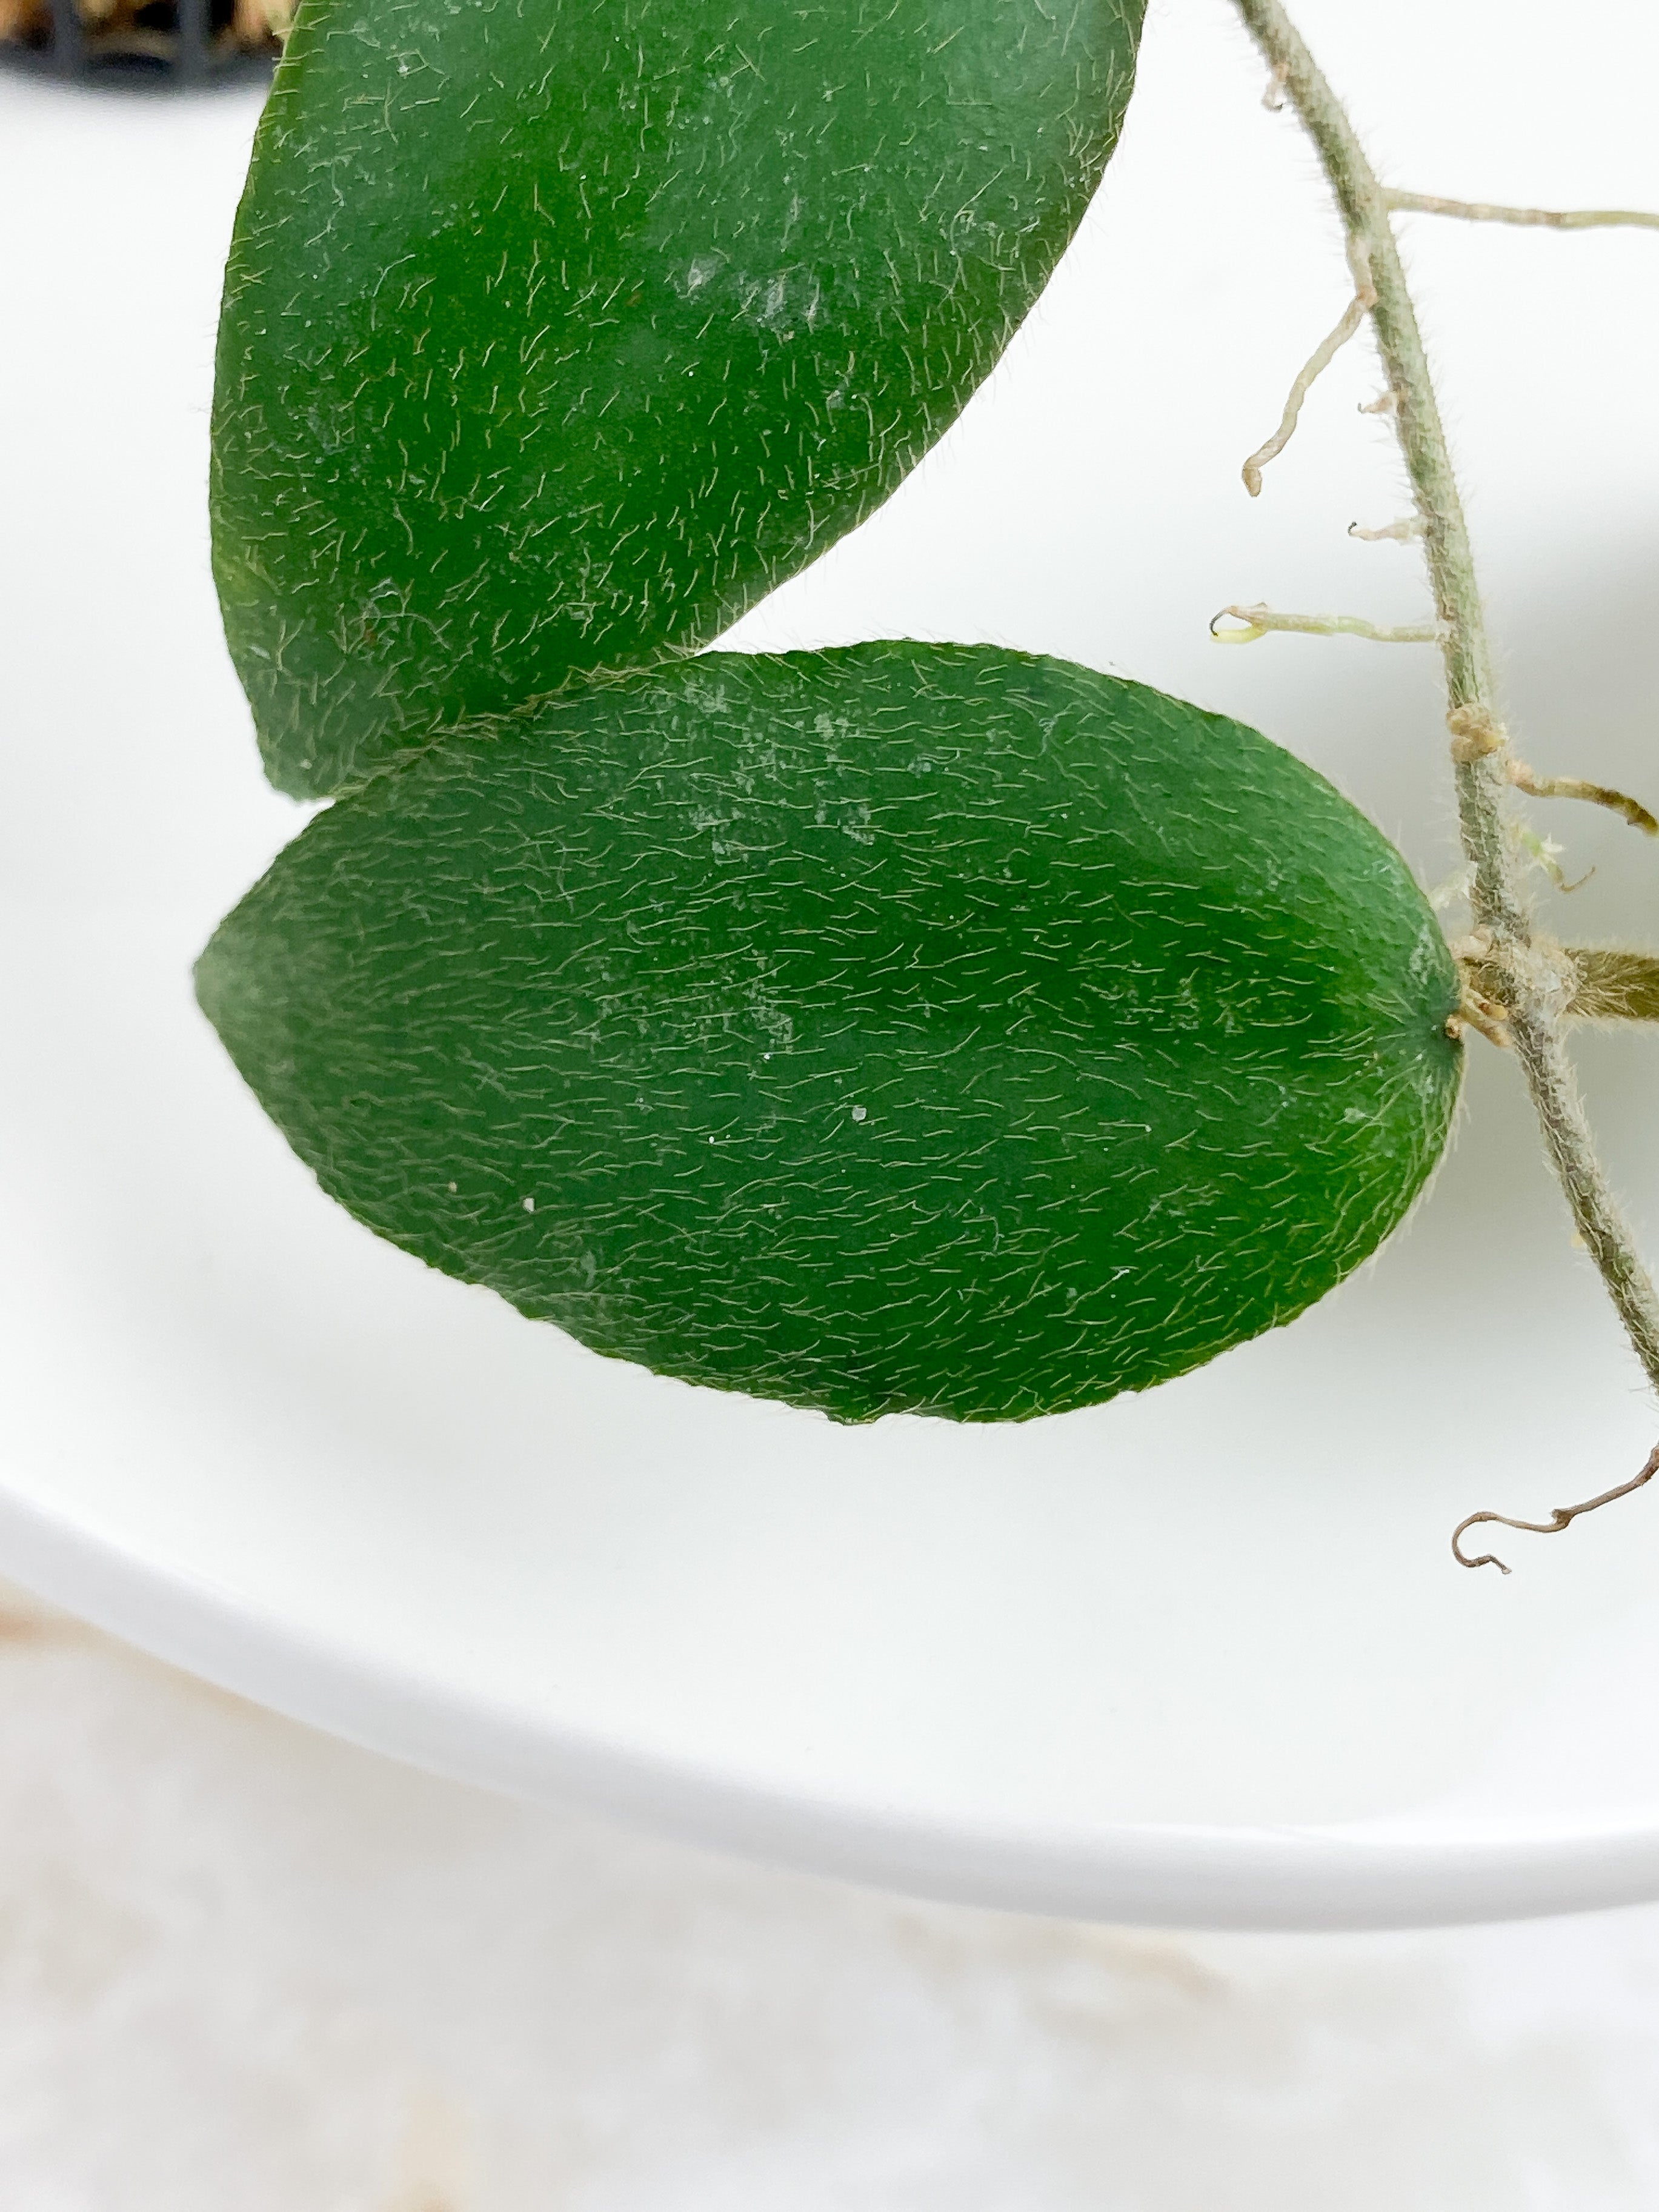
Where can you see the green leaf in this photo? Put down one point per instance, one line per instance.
(903, 1026)
(555, 336)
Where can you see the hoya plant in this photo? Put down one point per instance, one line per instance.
(895, 1028)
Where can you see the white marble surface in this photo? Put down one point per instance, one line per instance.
(244, 1968)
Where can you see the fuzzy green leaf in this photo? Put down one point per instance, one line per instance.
(902, 1026)
(555, 336)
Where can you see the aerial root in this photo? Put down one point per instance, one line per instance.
(1478, 1011)
(1475, 731)
(1364, 300)
(1400, 203)
(1613, 986)
(1605, 983)
(1597, 794)
(1562, 1517)
(1408, 527)
(1259, 620)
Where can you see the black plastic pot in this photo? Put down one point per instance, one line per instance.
(182, 42)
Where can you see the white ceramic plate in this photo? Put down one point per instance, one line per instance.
(1202, 1655)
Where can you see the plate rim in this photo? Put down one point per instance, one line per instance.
(1286, 1878)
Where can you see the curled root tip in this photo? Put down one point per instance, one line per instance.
(1562, 1518)
(1485, 1559)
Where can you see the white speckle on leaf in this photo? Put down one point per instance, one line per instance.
(530, 1206)
(703, 271)
(860, 1113)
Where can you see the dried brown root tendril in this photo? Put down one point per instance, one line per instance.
(1259, 620)
(1398, 203)
(1607, 984)
(1364, 300)
(1408, 527)
(1562, 1517)
(1614, 986)
(1597, 794)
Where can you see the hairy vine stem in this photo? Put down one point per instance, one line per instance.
(1534, 976)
